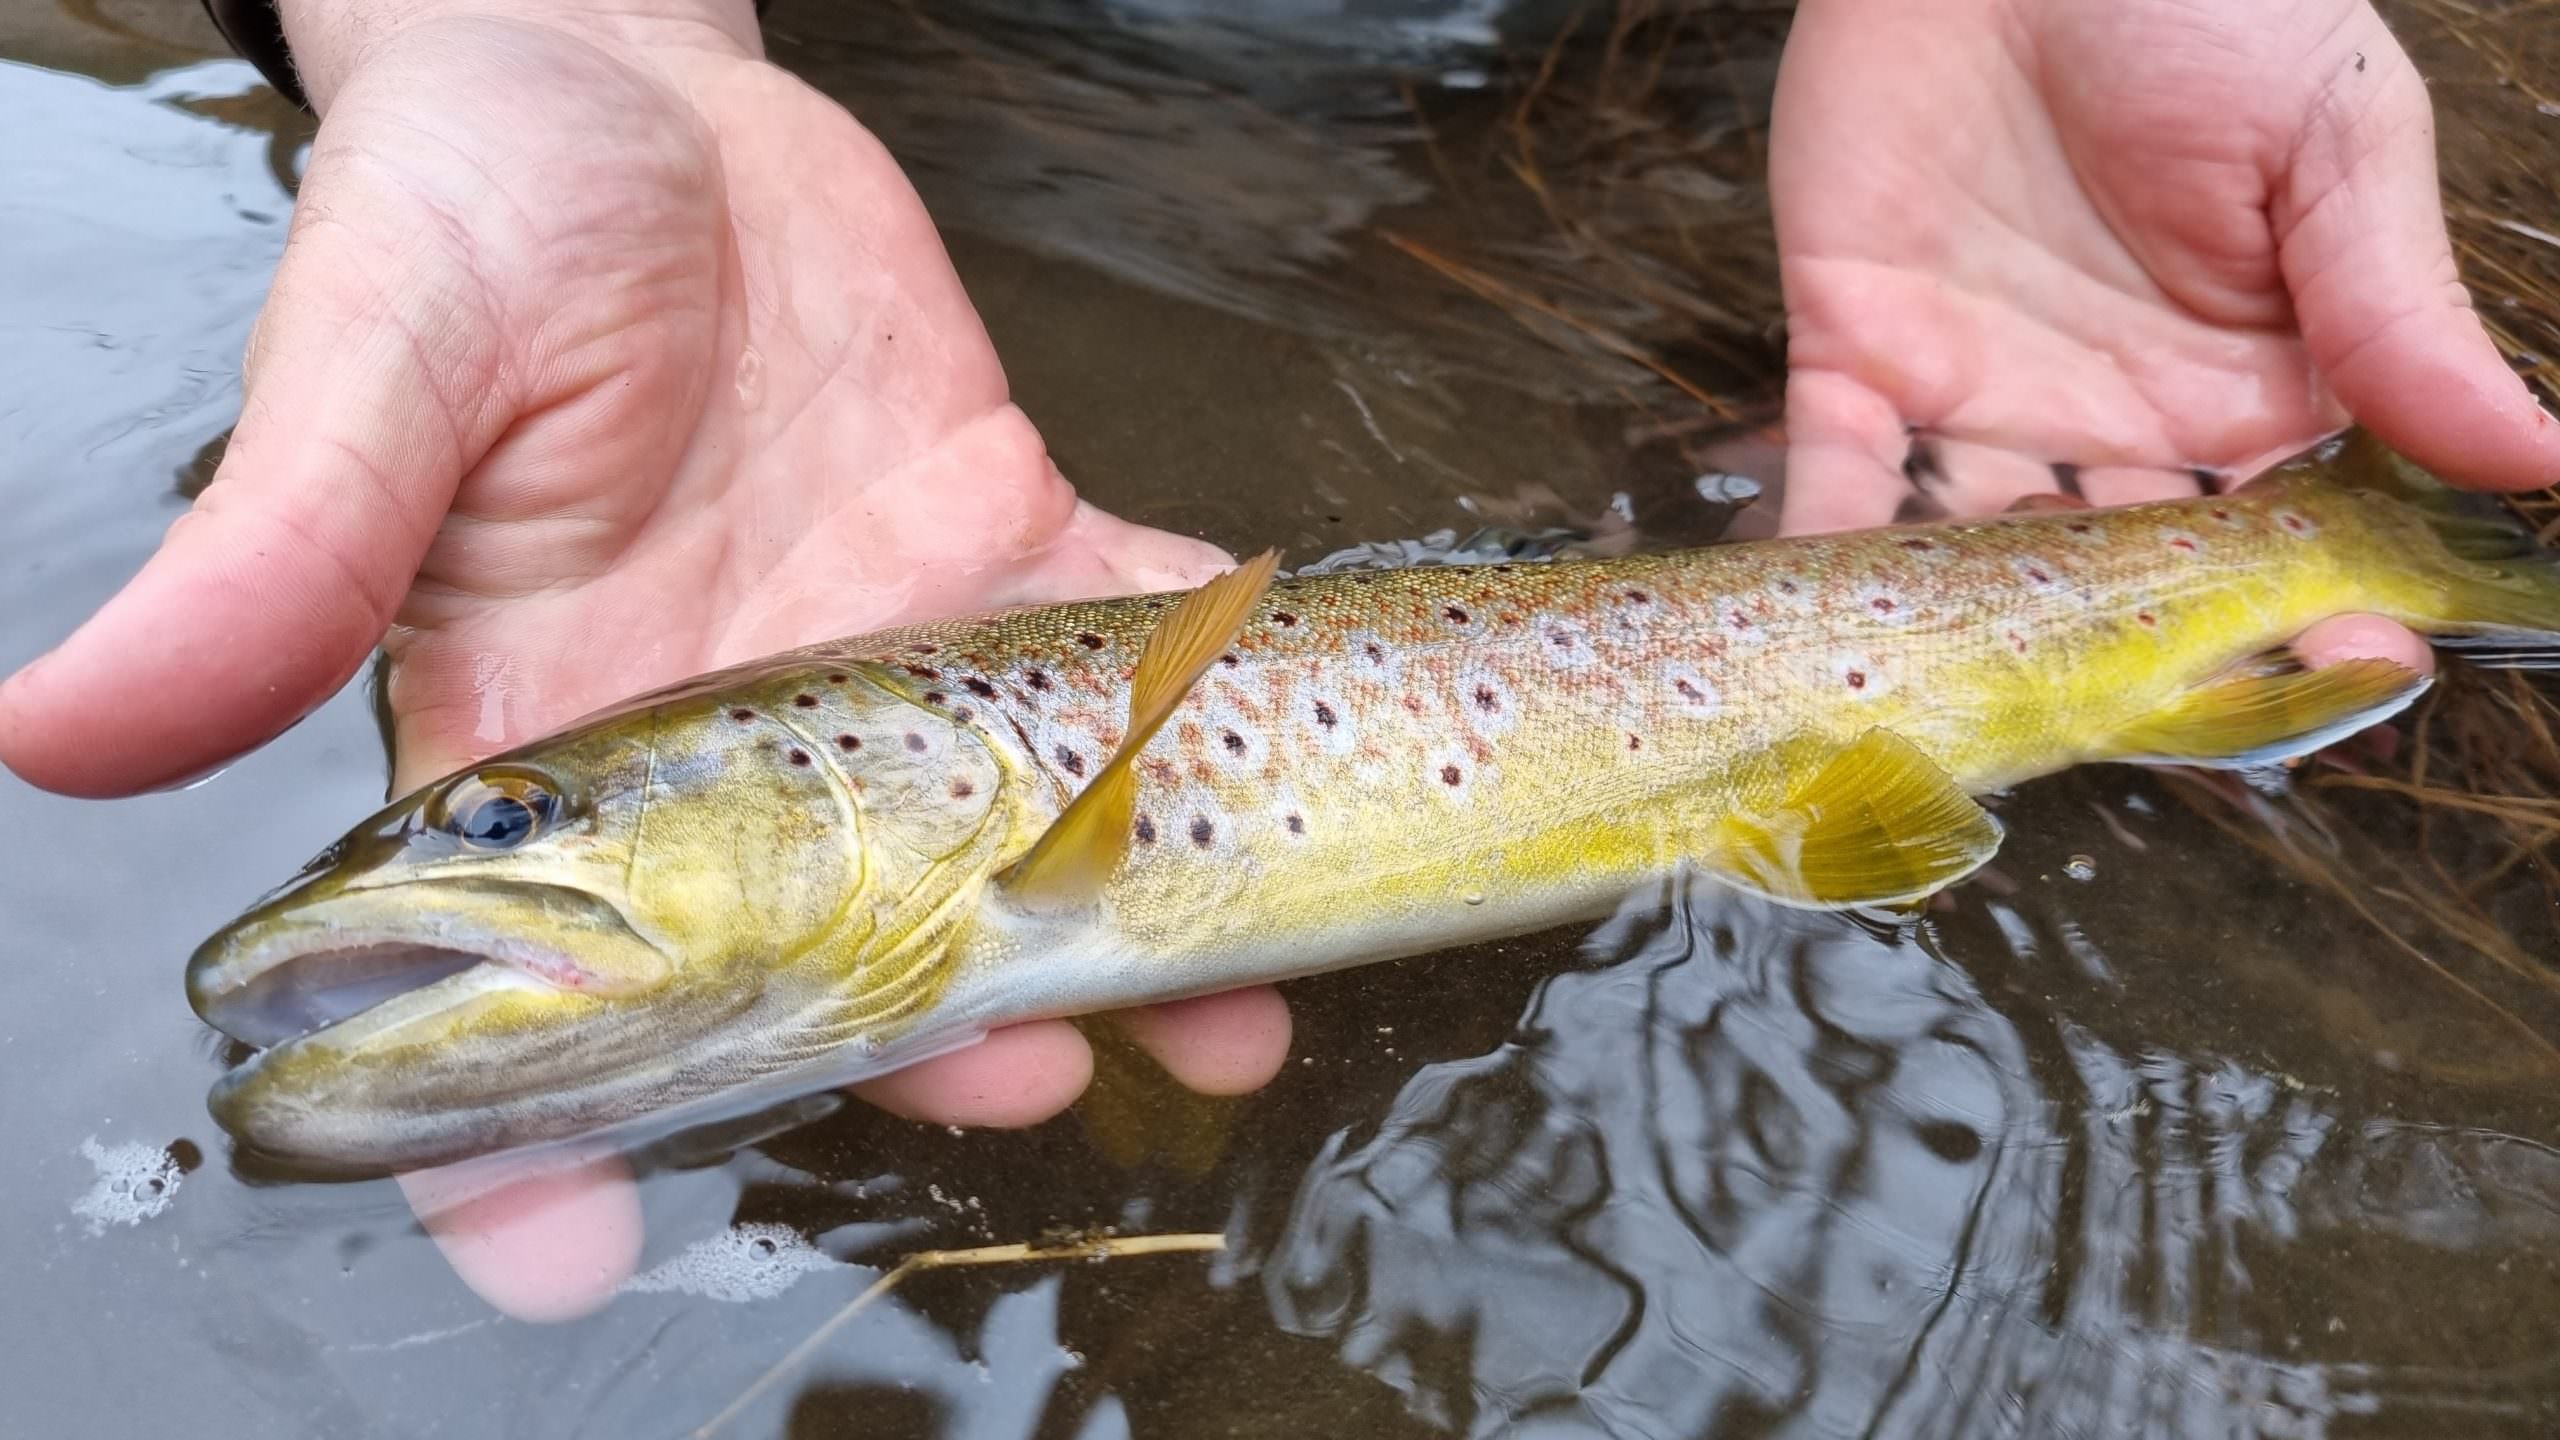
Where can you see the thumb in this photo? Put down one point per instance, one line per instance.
(265, 598)
(2364, 250)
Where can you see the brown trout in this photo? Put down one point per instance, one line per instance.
(790, 875)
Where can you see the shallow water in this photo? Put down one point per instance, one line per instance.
(2136, 1136)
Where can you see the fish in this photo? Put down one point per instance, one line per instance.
(819, 867)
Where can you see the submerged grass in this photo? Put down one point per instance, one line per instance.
(1638, 140)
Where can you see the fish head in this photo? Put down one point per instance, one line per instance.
(650, 908)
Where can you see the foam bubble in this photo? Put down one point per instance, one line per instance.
(135, 1183)
(740, 1264)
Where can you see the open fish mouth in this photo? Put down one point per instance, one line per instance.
(310, 965)
(311, 992)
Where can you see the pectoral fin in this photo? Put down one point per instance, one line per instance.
(1875, 824)
(2267, 716)
(1080, 849)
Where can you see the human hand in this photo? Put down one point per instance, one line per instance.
(603, 353)
(2138, 237)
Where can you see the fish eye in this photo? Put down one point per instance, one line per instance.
(496, 811)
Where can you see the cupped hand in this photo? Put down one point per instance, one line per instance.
(603, 353)
(2099, 245)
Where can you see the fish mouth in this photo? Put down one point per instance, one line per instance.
(308, 967)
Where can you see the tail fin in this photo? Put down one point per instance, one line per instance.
(2492, 590)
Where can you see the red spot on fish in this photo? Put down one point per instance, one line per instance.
(1638, 597)
(2149, 621)
(1450, 775)
(2017, 642)
(2183, 543)
(1325, 716)
(1882, 605)
(1377, 653)
(1413, 703)
(2081, 527)
(961, 789)
(2036, 574)
(1689, 692)
(1857, 679)
(1634, 741)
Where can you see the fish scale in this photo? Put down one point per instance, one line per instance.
(835, 862)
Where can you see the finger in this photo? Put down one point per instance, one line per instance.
(1019, 1075)
(1230, 1043)
(1845, 447)
(2382, 306)
(267, 596)
(548, 1243)
(2364, 637)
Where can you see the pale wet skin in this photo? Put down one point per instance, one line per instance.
(2137, 1136)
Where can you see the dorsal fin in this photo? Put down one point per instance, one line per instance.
(1083, 845)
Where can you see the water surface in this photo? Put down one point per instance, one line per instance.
(2138, 1135)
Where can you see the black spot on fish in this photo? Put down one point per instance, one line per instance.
(1486, 700)
(1325, 716)
(1634, 741)
(1456, 615)
(848, 743)
(837, 677)
(924, 649)
(1689, 692)
(934, 697)
(1202, 832)
(1857, 679)
(961, 789)
(979, 688)
(1146, 831)
(962, 714)
(1284, 617)
(924, 672)
(1233, 741)
(1229, 660)
(1377, 653)
(1638, 597)
(1917, 543)
(2066, 478)
(1297, 824)
(1451, 775)
(799, 756)
(915, 742)
(742, 714)
(1037, 679)
(805, 702)
(1073, 762)
(1089, 640)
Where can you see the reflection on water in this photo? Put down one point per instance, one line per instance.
(2136, 1136)
(1771, 1173)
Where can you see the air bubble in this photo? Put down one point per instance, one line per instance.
(755, 1261)
(135, 1183)
(2081, 867)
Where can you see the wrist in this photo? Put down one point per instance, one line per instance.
(330, 39)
